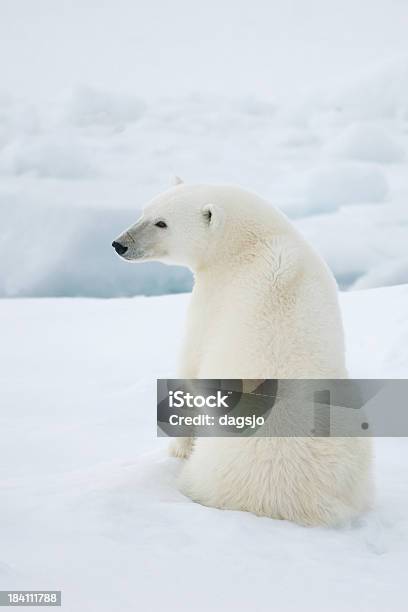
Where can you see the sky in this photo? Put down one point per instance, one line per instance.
(271, 48)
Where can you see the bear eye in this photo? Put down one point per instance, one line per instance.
(161, 224)
(208, 215)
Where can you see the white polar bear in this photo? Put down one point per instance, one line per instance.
(264, 305)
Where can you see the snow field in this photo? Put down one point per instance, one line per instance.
(89, 498)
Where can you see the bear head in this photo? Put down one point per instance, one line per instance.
(201, 225)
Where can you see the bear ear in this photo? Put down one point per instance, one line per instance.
(176, 180)
(213, 214)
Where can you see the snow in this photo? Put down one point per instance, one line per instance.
(89, 498)
(369, 143)
(384, 275)
(378, 93)
(60, 157)
(90, 106)
(357, 240)
(334, 186)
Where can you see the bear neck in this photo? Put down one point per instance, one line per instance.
(255, 249)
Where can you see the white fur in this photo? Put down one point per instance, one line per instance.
(264, 305)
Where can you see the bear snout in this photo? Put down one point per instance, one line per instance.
(119, 248)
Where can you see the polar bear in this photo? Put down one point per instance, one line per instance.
(264, 305)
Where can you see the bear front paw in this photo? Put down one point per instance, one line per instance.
(181, 448)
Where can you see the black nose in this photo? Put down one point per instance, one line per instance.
(119, 248)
